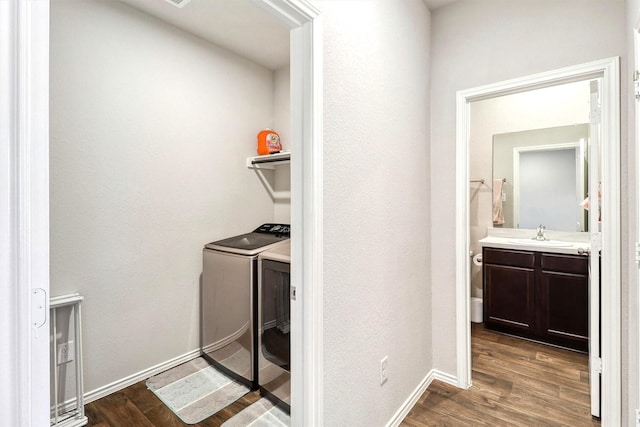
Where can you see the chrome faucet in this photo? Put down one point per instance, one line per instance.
(540, 235)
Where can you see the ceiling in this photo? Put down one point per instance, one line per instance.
(435, 4)
(239, 26)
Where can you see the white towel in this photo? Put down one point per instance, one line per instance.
(498, 217)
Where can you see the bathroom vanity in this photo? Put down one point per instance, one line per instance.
(537, 292)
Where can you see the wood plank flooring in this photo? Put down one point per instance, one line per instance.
(138, 406)
(515, 383)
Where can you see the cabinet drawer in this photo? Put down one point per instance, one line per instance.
(508, 257)
(565, 263)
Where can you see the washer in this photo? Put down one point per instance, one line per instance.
(274, 315)
(229, 285)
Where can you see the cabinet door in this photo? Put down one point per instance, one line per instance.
(509, 298)
(564, 318)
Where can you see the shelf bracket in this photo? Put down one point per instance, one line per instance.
(269, 162)
(275, 195)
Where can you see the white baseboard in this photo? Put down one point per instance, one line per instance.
(406, 407)
(72, 422)
(142, 375)
(446, 378)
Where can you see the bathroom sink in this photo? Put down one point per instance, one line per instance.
(543, 243)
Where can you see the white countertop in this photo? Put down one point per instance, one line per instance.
(280, 253)
(560, 242)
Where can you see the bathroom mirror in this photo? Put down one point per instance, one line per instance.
(540, 176)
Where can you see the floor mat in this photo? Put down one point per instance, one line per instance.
(195, 390)
(262, 413)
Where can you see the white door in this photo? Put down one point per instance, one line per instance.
(595, 361)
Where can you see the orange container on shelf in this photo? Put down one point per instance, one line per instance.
(268, 142)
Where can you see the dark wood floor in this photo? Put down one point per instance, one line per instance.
(138, 406)
(515, 383)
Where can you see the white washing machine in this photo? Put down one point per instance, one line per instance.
(228, 312)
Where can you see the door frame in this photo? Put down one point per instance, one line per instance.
(24, 211)
(307, 357)
(636, 106)
(24, 215)
(608, 71)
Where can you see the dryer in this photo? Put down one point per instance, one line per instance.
(274, 316)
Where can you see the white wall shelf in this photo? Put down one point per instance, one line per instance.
(269, 161)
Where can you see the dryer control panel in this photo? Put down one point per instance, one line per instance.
(277, 229)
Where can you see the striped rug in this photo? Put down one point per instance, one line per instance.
(262, 413)
(195, 390)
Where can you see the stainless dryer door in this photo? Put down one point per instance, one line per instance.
(274, 312)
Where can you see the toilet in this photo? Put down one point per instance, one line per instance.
(476, 310)
(476, 303)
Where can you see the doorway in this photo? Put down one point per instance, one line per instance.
(607, 72)
(28, 41)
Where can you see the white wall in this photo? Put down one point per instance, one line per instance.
(282, 124)
(376, 207)
(150, 129)
(630, 302)
(282, 105)
(476, 43)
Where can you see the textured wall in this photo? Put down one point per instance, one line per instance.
(282, 124)
(481, 42)
(376, 207)
(150, 129)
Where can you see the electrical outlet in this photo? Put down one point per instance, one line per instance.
(65, 352)
(384, 371)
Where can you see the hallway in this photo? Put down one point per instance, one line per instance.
(515, 383)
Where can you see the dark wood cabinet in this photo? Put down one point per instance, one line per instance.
(537, 295)
(510, 296)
